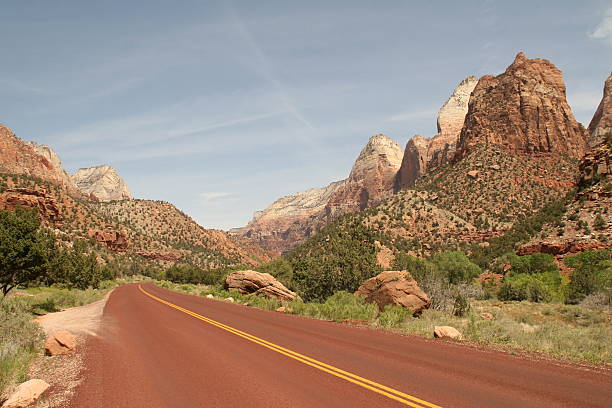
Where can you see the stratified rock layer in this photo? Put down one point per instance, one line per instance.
(31, 159)
(291, 220)
(102, 183)
(524, 110)
(601, 124)
(421, 154)
(260, 284)
(395, 288)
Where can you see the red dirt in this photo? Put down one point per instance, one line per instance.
(148, 354)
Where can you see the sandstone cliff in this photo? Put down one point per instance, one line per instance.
(422, 154)
(601, 124)
(102, 183)
(31, 159)
(523, 110)
(292, 219)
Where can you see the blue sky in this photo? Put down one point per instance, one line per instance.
(221, 107)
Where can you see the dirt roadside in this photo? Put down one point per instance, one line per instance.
(63, 372)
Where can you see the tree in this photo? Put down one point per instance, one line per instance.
(456, 266)
(24, 250)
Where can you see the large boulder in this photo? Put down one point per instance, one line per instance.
(261, 284)
(447, 332)
(60, 342)
(395, 288)
(26, 394)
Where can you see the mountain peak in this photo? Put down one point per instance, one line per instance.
(102, 183)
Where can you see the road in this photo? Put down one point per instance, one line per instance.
(159, 348)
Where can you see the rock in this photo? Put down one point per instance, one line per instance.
(421, 154)
(472, 173)
(523, 110)
(102, 183)
(47, 206)
(26, 394)
(284, 309)
(601, 124)
(560, 248)
(448, 332)
(395, 288)
(210, 296)
(60, 342)
(487, 316)
(291, 220)
(229, 299)
(31, 159)
(113, 240)
(261, 284)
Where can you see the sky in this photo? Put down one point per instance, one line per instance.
(222, 107)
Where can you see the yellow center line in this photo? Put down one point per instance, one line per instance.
(396, 395)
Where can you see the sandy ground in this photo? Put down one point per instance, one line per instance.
(63, 373)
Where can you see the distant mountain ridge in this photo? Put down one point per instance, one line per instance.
(506, 145)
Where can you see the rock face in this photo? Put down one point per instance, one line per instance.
(395, 288)
(422, 154)
(524, 110)
(47, 206)
(26, 394)
(448, 332)
(601, 124)
(102, 183)
(261, 284)
(60, 342)
(371, 179)
(32, 159)
(292, 219)
(113, 240)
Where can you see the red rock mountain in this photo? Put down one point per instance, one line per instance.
(523, 110)
(292, 219)
(601, 124)
(422, 154)
(31, 159)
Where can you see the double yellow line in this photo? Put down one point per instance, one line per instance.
(345, 375)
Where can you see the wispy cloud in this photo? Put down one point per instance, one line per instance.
(22, 87)
(603, 31)
(213, 196)
(262, 64)
(414, 115)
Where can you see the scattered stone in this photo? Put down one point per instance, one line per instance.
(448, 332)
(26, 394)
(473, 173)
(210, 296)
(395, 288)
(230, 299)
(284, 309)
(60, 342)
(487, 316)
(261, 284)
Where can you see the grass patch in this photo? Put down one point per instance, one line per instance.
(21, 338)
(564, 332)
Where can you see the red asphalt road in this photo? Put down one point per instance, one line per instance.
(151, 355)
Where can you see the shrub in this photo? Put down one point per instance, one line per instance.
(592, 274)
(537, 287)
(393, 316)
(455, 266)
(20, 337)
(420, 269)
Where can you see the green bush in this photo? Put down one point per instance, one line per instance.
(20, 338)
(334, 260)
(537, 287)
(592, 274)
(393, 316)
(341, 306)
(455, 266)
(420, 269)
(530, 264)
(76, 267)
